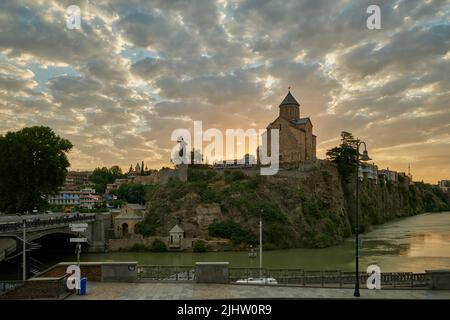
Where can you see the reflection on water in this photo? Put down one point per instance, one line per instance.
(412, 244)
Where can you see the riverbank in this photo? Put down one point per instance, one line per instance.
(189, 291)
(411, 244)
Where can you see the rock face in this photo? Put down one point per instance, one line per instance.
(206, 214)
(306, 207)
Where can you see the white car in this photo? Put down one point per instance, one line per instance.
(258, 281)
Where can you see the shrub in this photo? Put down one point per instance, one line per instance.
(201, 175)
(138, 247)
(234, 175)
(199, 246)
(231, 230)
(158, 246)
(269, 211)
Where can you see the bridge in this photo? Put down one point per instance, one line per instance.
(40, 228)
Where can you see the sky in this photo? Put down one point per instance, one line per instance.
(137, 70)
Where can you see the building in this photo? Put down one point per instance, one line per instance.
(176, 236)
(89, 199)
(125, 222)
(137, 171)
(444, 185)
(78, 177)
(246, 162)
(66, 198)
(404, 178)
(297, 141)
(85, 198)
(368, 171)
(387, 175)
(116, 184)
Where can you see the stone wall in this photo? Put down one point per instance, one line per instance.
(92, 271)
(163, 176)
(438, 279)
(97, 271)
(186, 244)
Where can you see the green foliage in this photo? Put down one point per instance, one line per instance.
(268, 210)
(301, 194)
(103, 176)
(204, 175)
(199, 246)
(158, 246)
(33, 163)
(145, 228)
(138, 247)
(344, 156)
(253, 182)
(231, 230)
(233, 175)
(132, 193)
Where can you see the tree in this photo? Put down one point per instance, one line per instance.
(116, 171)
(132, 193)
(102, 176)
(33, 164)
(344, 156)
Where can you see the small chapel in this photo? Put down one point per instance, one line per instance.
(297, 141)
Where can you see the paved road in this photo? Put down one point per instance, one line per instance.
(175, 291)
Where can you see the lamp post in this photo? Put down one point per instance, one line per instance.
(364, 157)
(24, 247)
(260, 244)
(24, 262)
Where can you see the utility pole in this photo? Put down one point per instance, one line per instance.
(260, 247)
(24, 250)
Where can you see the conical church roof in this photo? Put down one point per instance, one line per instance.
(289, 100)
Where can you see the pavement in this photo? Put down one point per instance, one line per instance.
(201, 291)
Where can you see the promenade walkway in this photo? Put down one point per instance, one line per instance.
(175, 291)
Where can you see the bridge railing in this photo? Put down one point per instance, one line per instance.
(17, 226)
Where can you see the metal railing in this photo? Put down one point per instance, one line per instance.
(36, 266)
(328, 278)
(291, 277)
(166, 273)
(17, 226)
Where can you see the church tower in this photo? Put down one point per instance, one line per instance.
(289, 108)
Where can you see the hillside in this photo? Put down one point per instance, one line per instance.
(299, 209)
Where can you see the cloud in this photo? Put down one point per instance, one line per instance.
(139, 69)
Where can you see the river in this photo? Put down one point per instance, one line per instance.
(410, 244)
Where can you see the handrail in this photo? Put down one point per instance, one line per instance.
(15, 226)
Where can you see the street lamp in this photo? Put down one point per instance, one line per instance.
(364, 157)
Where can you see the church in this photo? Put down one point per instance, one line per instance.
(297, 142)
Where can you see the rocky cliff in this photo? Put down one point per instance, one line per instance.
(311, 207)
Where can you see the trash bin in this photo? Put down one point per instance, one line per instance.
(83, 285)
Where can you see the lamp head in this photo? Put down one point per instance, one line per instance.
(365, 156)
